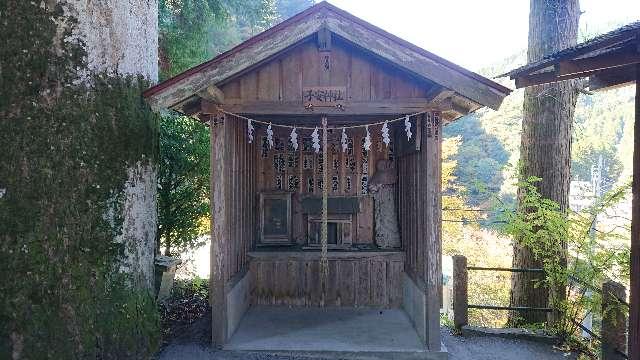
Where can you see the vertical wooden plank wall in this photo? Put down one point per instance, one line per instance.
(419, 204)
(355, 279)
(282, 79)
(233, 202)
(242, 195)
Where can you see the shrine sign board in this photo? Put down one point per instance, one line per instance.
(324, 96)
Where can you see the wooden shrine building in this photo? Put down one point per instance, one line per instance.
(380, 227)
(607, 61)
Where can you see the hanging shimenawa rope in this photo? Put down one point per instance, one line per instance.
(329, 128)
(324, 261)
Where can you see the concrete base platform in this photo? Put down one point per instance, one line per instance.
(348, 331)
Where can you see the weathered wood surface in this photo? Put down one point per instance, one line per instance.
(355, 279)
(419, 206)
(242, 185)
(280, 166)
(220, 167)
(245, 57)
(416, 62)
(371, 85)
(613, 78)
(431, 159)
(614, 321)
(460, 292)
(374, 107)
(332, 26)
(213, 94)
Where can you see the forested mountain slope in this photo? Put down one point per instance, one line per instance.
(489, 150)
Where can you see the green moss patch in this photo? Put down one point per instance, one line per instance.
(65, 147)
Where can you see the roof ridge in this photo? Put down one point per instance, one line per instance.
(325, 13)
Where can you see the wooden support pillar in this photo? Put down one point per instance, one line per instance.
(614, 322)
(634, 303)
(220, 183)
(430, 183)
(460, 292)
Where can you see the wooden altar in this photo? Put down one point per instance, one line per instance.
(266, 197)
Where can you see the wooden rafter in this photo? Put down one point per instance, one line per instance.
(212, 94)
(627, 56)
(612, 78)
(607, 64)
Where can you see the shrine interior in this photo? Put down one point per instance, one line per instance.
(383, 102)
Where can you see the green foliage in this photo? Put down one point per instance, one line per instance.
(601, 123)
(288, 8)
(574, 256)
(489, 152)
(66, 146)
(185, 31)
(183, 182)
(191, 32)
(481, 158)
(460, 235)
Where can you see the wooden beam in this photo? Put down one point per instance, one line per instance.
(430, 224)
(212, 94)
(324, 39)
(386, 107)
(603, 44)
(634, 301)
(551, 77)
(220, 182)
(582, 68)
(625, 56)
(438, 93)
(612, 78)
(536, 79)
(191, 107)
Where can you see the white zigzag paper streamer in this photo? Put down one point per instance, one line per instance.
(315, 138)
(344, 140)
(385, 134)
(294, 139)
(367, 140)
(270, 136)
(250, 130)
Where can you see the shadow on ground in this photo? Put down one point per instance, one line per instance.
(192, 344)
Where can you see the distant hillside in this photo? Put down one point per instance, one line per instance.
(489, 151)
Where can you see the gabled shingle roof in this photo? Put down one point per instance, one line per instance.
(595, 46)
(267, 44)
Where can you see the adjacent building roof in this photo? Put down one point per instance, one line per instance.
(264, 46)
(607, 60)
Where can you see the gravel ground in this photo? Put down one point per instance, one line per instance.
(190, 347)
(496, 348)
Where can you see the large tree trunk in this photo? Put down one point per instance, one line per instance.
(546, 138)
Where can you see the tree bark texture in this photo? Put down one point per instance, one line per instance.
(545, 149)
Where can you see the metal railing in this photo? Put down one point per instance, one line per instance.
(612, 337)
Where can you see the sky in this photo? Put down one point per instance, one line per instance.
(476, 33)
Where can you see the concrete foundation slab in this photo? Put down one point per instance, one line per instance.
(265, 328)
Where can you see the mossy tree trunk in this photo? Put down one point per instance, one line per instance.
(545, 149)
(77, 180)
